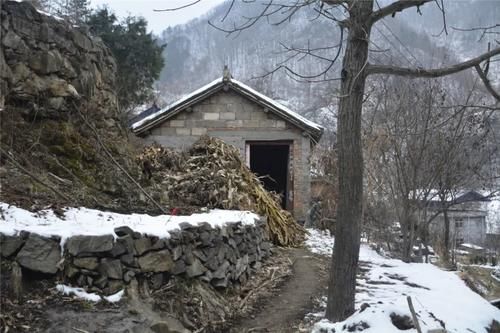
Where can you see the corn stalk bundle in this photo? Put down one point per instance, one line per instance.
(213, 175)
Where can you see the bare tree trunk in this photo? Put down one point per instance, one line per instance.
(341, 289)
(446, 235)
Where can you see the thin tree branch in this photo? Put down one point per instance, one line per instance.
(430, 73)
(395, 7)
(487, 82)
(177, 8)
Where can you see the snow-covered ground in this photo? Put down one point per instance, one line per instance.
(83, 221)
(437, 295)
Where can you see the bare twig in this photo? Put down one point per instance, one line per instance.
(116, 163)
(13, 161)
(177, 8)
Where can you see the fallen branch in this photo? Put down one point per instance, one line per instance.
(413, 314)
(116, 162)
(251, 292)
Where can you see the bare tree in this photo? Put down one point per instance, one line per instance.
(361, 18)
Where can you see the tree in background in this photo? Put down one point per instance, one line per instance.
(137, 53)
(73, 11)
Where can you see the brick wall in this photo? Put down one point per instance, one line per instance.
(234, 119)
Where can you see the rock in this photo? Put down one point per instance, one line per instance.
(220, 283)
(160, 261)
(40, 254)
(101, 282)
(195, 269)
(142, 245)
(111, 268)
(200, 255)
(10, 245)
(128, 243)
(179, 267)
(169, 325)
(207, 277)
(128, 259)
(117, 250)
(124, 231)
(89, 245)
(128, 276)
(157, 280)
(70, 271)
(176, 252)
(222, 271)
(113, 287)
(90, 263)
(11, 40)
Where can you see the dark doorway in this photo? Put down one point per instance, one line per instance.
(269, 161)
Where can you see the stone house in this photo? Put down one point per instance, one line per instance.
(274, 141)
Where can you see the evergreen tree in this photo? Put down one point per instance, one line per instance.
(137, 53)
(73, 11)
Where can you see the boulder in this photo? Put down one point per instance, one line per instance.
(40, 254)
(89, 245)
(160, 261)
(10, 245)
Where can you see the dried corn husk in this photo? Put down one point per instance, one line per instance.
(212, 174)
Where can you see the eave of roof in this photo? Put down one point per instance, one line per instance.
(313, 129)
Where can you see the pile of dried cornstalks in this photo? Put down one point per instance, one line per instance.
(211, 174)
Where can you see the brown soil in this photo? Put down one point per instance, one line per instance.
(284, 311)
(273, 300)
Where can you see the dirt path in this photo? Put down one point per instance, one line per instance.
(282, 312)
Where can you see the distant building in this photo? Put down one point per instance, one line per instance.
(468, 218)
(273, 140)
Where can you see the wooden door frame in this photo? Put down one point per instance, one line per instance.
(289, 167)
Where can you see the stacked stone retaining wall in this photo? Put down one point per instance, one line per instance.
(221, 256)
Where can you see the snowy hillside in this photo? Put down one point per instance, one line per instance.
(441, 299)
(197, 52)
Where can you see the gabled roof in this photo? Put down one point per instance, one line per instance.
(154, 119)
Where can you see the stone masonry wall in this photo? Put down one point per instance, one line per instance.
(103, 264)
(236, 120)
(45, 63)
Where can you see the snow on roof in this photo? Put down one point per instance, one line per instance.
(138, 126)
(84, 221)
(175, 104)
(436, 294)
(279, 106)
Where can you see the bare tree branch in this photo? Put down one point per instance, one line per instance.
(430, 73)
(177, 8)
(487, 82)
(395, 7)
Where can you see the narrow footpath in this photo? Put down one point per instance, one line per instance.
(283, 312)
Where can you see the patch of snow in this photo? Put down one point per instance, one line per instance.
(91, 222)
(115, 297)
(471, 246)
(90, 297)
(319, 241)
(435, 294)
(78, 292)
